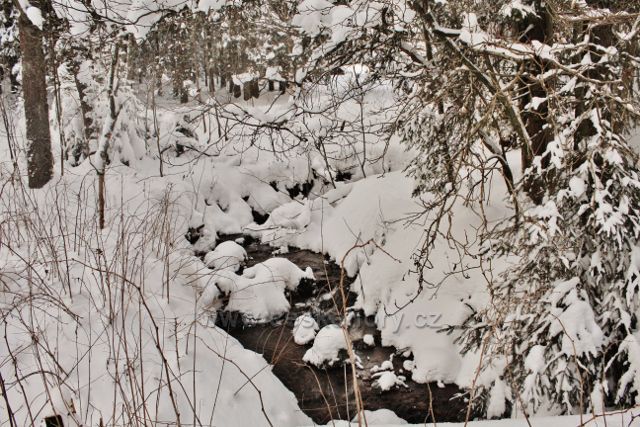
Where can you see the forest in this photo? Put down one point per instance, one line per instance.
(319, 212)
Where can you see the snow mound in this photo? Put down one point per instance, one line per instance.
(293, 215)
(381, 417)
(304, 329)
(386, 380)
(368, 339)
(205, 229)
(259, 294)
(226, 256)
(276, 269)
(326, 347)
(387, 365)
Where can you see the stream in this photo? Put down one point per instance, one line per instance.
(327, 393)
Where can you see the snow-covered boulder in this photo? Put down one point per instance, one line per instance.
(259, 294)
(304, 329)
(326, 347)
(386, 380)
(226, 256)
(279, 269)
(369, 340)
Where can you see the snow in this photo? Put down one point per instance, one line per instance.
(226, 256)
(380, 417)
(386, 380)
(305, 328)
(581, 334)
(35, 16)
(293, 215)
(535, 359)
(273, 73)
(259, 293)
(312, 15)
(207, 5)
(368, 339)
(326, 346)
(624, 418)
(387, 365)
(216, 195)
(222, 190)
(498, 399)
(372, 209)
(631, 346)
(517, 6)
(577, 186)
(107, 341)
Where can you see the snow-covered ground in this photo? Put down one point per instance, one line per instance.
(616, 419)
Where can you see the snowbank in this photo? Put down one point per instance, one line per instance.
(611, 419)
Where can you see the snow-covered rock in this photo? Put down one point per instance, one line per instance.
(275, 269)
(326, 347)
(368, 339)
(387, 365)
(304, 329)
(204, 225)
(226, 256)
(388, 379)
(259, 294)
(293, 215)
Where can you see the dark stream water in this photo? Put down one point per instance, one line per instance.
(326, 394)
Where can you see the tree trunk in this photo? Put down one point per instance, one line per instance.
(102, 155)
(81, 150)
(212, 81)
(600, 35)
(536, 28)
(36, 108)
(255, 88)
(247, 88)
(236, 90)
